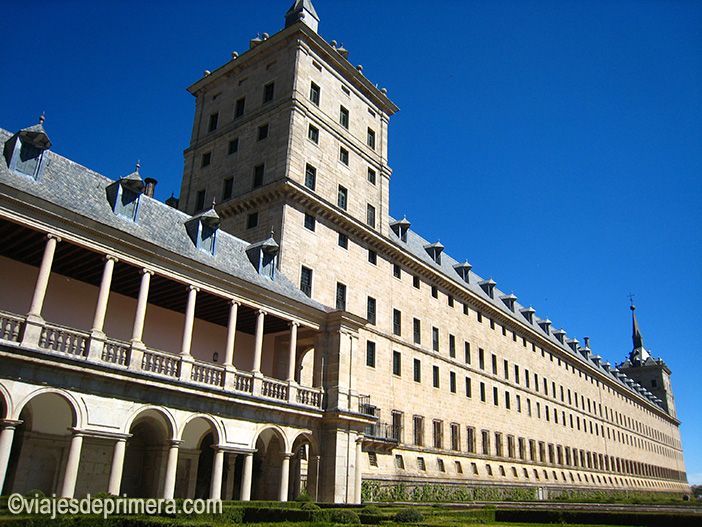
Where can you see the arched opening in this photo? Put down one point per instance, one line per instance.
(146, 455)
(40, 446)
(267, 465)
(196, 458)
(304, 366)
(304, 468)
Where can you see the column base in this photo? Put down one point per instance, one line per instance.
(229, 378)
(96, 345)
(186, 367)
(31, 331)
(136, 355)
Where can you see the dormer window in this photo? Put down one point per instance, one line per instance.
(560, 335)
(489, 287)
(463, 270)
(202, 230)
(434, 251)
(400, 228)
(124, 195)
(509, 301)
(24, 152)
(545, 326)
(528, 314)
(264, 257)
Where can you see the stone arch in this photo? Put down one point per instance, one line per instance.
(151, 431)
(271, 445)
(304, 466)
(6, 410)
(199, 434)
(41, 442)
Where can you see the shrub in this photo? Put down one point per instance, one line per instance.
(409, 516)
(309, 506)
(372, 509)
(303, 497)
(344, 516)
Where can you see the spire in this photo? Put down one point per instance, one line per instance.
(639, 354)
(302, 10)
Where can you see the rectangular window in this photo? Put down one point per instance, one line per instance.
(481, 358)
(371, 176)
(396, 363)
(516, 374)
(417, 327)
(466, 352)
(398, 426)
(310, 222)
(396, 322)
(214, 119)
(505, 365)
(510, 446)
(342, 197)
(508, 401)
(421, 464)
(418, 430)
(370, 215)
(371, 138)
(396, 271)
(340, 296)
(370, 310)
(313, 134)
(435, 339)
(306, 281)
(486, 442)
(469, 387)
(495, 396)
(370, 354)
(498, 444)
(258, 175)
(417, 370)
(228, 188)
(310, 177)
(343, 241)
(343, 117)
(252, 220)
(233, 146)
(452, 346)
(344, 156)
(416, 282)
(268, 92)
(200, 200)
(449, 299)
(206, 159)
(436, 378)
(315, 92)
(438, 433)
(263, 132)
(239, 107)
(494, 364)
(455, 436)
(372, 257)
(470, 437)
(434, 291)
(482, 391)
(452, 381)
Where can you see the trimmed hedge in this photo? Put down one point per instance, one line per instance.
(409, 516)
(643, 519)
(373, 491)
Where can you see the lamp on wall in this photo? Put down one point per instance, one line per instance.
(215, 357)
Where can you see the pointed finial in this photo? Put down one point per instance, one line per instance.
(631, 302)
(214, 202)
(42, 118)
(272, 232)
(137, 167)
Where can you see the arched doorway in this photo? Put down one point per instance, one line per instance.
(40, 445)
(146, 455)
(304, 468)
(196, 458)
(267, 465)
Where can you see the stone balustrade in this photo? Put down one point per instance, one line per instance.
(78, 345)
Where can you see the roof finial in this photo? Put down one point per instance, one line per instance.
(214, 201)
(631, 302)
(42, 118)
(137, 167)
(302, 11)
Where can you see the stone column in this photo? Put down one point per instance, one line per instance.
(189, 321)
(245, 494)
(142, 301)
(258, 346)
(6, 436)
(43, 276)
(117, 466)
(171, 467)
(103, 294)
(292, 353)
(231, 334)
(357, 473)
(284, 476)
(70, 475)
(216, 482)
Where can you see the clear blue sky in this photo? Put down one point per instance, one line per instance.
(555, 145)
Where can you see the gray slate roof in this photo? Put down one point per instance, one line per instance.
(81, 190)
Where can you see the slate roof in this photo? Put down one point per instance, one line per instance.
(416, 245)
(82, 191)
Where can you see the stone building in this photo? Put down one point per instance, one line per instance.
(293, 336)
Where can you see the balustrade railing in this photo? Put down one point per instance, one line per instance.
(10, 326)
(115, 352)
(243, 382)
(309, 397)
(161, 363)
(64, 340)
(275, 389)
(207, 374)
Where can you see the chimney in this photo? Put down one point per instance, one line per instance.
(172, 201)
(150, 187)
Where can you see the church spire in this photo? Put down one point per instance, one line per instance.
(302, 10)
(635, 332)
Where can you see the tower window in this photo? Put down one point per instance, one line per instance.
(452, 381)
(315, 92)
(310, 177)
(397, 322)
(340, 296)
(343, 117)
(344, 156)
(370, 354)
(313, 134)
(228, 188)
(371, 138)
(252, 220)
(415, 282)
(200, 200)
(417, 370)
(435, 339)
(258, 176)
(233, 146)
(417, 331)
(268, 92)
(306, 281)
(342, 197)
(343, 241)
(371, 175)
(263, 132)
(239, 107)
(396, 363)
(397, 271)
(310, 222)
(206, 159)
(370, 310)
(370, 215)
(434, 291)
(372, 257)
(214, 119)
(435, 376)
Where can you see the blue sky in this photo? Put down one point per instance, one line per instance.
(555, 145)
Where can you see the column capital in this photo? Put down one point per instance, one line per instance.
(262, 312)
(51, 236)
(146, 271)
(235, 302)
(287, 455)
(111, 257)
(175, 443)
(10, 423)
(192, 287)
(294, 323)
(359, 439)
